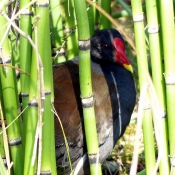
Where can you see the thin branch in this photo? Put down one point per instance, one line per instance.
(20, 31)
(15, 119)
(65, 139)
(41, 96)
(13, 67)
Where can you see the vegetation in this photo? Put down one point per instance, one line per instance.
(36, 34)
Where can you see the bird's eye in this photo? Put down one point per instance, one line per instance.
(104, 46)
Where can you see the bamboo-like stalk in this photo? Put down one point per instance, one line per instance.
(168, 39)
(58, 44)
(28, 86)
(9, 90)
(142, 70)
(33, 132)
(149, 150)
(104, 22)
(92, 18)
(15, 62)
(25, 60)
(71, 32)
(86, 86)
(44, 48)
(97, 15)
(31, 120)
(157, 75)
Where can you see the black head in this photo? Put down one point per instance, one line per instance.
(107, 45)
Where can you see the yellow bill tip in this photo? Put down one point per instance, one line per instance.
(128, 67)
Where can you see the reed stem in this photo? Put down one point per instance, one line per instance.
(86, 86)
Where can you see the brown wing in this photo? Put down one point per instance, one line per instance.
(68, 106)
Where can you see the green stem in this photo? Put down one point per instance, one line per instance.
(104, 22)
(31, 120)
(9, 97)
(92, 17)
(168, 40)
(25, 61)
(86, 84)
(148, 141)
(157, 75)
(44, 49)
(143, 70)
(71, 31)
(57, 32)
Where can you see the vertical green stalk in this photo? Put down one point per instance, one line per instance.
(92, 17)
(9, 95)
(157, 74)
(168, 39)
(86, 85)
(104, 22)
(57, 31)
(71, 32)
(149, 142)
(97, 15)
(44, 49)
(31, 119)
(25, 59)
(143, 70)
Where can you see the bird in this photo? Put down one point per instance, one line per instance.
(114, 96)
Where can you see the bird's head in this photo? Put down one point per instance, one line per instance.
(107, 45)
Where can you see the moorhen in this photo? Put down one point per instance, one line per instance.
(114, 99)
